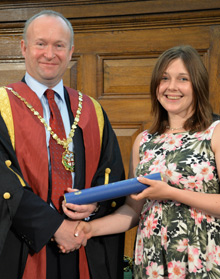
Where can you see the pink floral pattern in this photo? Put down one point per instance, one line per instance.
(173, 239)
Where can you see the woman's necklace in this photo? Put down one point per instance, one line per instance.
(67, 156)
(173, 129)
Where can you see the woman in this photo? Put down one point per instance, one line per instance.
(179, 231)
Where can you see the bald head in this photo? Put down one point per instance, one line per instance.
(52, 14)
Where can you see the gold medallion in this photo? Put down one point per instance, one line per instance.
(68, 160)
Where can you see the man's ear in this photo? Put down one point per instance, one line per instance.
(23, 47)
(71, 52)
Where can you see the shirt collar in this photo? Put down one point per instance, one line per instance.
(40, 88)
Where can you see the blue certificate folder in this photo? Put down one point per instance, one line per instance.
(109, 191)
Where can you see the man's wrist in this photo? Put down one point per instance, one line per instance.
(94, 212)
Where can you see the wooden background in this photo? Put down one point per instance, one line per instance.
(116, 46)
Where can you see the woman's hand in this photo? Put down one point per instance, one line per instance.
(84, 228)
(157, 190)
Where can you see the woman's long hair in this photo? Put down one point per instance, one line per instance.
(202, 111)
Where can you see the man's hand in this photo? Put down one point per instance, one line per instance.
(78, 212)
(66, 239)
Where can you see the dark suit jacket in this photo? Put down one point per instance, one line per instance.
(215, 116)
(16, 233)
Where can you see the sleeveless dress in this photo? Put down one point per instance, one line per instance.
(173, 239)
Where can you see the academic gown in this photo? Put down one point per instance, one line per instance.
(17, 208)
(104, 254)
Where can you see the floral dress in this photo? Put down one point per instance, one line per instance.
(173, 239)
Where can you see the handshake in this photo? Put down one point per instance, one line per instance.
(66, 236)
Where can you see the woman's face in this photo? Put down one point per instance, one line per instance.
(175, 92)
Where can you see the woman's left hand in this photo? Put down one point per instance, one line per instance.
(157, 190)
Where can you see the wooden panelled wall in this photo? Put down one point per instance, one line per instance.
(116, 46)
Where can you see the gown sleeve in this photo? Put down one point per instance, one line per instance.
(105, 253)
(32, 219)
(110, 158)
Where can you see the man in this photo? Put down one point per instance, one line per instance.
(51, 160)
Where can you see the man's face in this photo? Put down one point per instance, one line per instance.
(47, 49)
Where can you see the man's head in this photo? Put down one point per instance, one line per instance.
(47, 46)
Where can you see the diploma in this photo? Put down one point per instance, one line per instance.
(109, 191)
